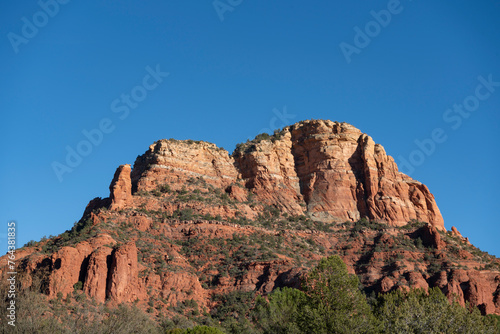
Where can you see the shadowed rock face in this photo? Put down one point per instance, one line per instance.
(331, 170)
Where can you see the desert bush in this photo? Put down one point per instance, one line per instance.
(30, 243)
(183, 214)
(417, 311)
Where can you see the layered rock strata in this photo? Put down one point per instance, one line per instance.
(331, 170)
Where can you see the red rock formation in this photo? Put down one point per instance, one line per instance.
(430, 237)
(455, 232)
(113, 275)
(120, 188)
(331, 170)
(392, 196)
(179, 286)
(343, 174)
(66, 268)
(269, 170)
(477, 288)
(97, 273)
(237, 193)
(386, 284)
(173, 162)
(262, 276)
(123, 282)
(417, 281)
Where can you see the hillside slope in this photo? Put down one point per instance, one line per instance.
(189, 222)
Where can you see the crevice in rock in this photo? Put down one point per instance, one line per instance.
(43, 270)
(57, 264)
(110, 266)
(263, 278)
(82, 275)
(299, 166)
(357, 166)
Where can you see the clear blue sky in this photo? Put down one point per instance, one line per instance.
(229, 68)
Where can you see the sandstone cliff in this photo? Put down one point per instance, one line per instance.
(189, 221)
(328, 169)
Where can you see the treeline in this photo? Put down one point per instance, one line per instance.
(329, 301)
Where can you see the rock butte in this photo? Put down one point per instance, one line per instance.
(329, 171)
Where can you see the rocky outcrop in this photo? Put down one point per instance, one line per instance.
(455, 232)
(237, 193)
(197, 217)
(97, 273)
(95, 204)
(390, 195)
(417, 281)
(123, 283)
(263, 276)
(173, 162)
(178, 286)
(120, 188)
(344, 175)
(329, 169)
(67, 267)
(268, 168)
(475, 287)
(101, 272)
(430, 237)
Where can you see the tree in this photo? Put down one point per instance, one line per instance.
(232, 311)
(417, 311)
(279, 315)
(330, 302)
(335, 302)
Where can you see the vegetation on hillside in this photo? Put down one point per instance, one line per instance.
(329, 301)
(251, 145)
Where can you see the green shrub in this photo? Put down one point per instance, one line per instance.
(234, 304)
(417, 311)
(164, 188)
(78, 286)
(280, 314)
(418, 243)
(183, 214)
(30, 243)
